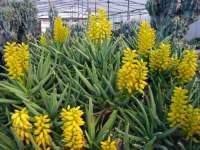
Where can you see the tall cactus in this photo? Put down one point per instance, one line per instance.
(52, 14)
(4, 35)
(19, 18)
(173, 17)
(3, 3)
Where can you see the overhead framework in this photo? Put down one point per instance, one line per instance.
(116, 9)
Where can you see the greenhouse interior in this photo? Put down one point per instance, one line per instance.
(99, 74)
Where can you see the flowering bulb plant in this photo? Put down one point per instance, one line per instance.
(96, 91)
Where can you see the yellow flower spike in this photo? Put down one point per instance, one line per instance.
(129, 56)
(42, 132)
(60, 32)
(72, 132)
(146, 38)
(24, 51)
(133, 73)
(187, 67)
(109, 144)
(43, 40)
(99, 27)
(160, 59)
(193, 124)
(178, 108)
(17, 59)
(141, 76)
(21, 125)
(183, 114)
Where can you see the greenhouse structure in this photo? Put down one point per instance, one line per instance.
(99, 74)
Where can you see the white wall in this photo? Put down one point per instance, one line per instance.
(194, 30)
(44, 25)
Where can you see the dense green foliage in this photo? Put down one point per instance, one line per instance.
(80, 72)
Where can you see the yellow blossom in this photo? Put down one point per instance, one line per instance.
(183, 115)
(178, 108)
(192, 126)
(42, 131)
(146, 38)
(109, 144)
(17, 59)
(43, 40)
(60, 32)
(160, 59)
(129, 56)
(21, 125)
(99, 27)
(23, 49)
(187, 67)
(72, 132)
(132, 75)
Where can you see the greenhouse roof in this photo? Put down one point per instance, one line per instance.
(118, 9)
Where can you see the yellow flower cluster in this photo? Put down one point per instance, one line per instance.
(129, 56)
(160, 59)
(43, 40)
(99, 27)
(21, 125)
(72, 132)
(187, 66)
(146, 38)
(109, 144)
(183, 114)
(60, 32)
(17, 59)
(193, 124)
(133, 73)
(178, 107)
(42, 132)
(23, 128)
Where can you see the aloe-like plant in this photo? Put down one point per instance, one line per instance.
(81, 72)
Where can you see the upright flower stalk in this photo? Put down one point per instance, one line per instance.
(100, 28)
(187, 67)
(72, 132)
(160, 59)
(43, 40)
(132, 75)
(109, 144)
(146, 38)
(60, 31)
(17, 59)
(21, 125)
(184, 115)
(42, 132)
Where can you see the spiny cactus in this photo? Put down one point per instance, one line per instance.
(173, 17)
(19, 18)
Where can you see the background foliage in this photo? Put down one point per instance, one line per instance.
(82, 73)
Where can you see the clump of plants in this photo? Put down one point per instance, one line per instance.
(19, 19)
(99, 92)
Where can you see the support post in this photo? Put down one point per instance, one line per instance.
(128, 12)
(108, 9)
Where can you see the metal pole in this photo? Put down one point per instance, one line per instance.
(82, 10)
(108, 9)
(78, 10)
(128, 12)
(95, 7)
(88, 10)
(72, 12)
